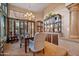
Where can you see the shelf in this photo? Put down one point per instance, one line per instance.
(53, 23)
(39, 26)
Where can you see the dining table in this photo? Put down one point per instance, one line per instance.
(27, 42)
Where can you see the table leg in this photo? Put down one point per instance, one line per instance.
(26, 43)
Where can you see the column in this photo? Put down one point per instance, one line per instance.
(74, 21)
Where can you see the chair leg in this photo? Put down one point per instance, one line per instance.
(33, 53)
(43, 51)
(29, 50)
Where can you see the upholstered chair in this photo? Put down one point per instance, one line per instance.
(39, 43)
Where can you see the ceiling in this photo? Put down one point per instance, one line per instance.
(35, 7)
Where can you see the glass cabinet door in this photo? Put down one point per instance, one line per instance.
(25, 29)
(21, 28)
(33, 29)
(11, 26)
(3, 16)
(53, 24)
(2, 26)
(17, 28)
(4, 7)
(29, 29)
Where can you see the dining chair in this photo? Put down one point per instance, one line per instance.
(38, 44)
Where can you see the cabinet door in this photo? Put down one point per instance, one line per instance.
(48, 38)
(21, 28)
(17, 27)
(25, 27)
(11, 26)
(4, 7)
(33, 29)
(29, 29)
(2, 26)
(55, 39)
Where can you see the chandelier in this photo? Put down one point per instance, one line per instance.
(29, 16)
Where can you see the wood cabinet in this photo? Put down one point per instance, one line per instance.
(52, 38)
(3, 18)
(3, 15)
(39, 25)
(53, 24)
(20, 27)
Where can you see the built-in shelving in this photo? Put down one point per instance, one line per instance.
(39, 26)
(3, 18)
(20, 27)
(53, 24)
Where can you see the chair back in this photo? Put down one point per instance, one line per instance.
(39, 41)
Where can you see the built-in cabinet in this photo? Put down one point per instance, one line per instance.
(52, 38)
(20, 27)
(3, 18)
(39, 25)
(3, 15)
(53, 24)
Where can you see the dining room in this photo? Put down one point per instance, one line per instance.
(39, 29)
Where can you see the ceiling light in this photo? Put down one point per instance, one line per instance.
(29, 16)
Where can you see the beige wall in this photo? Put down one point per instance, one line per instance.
(64, 12)
(39, 16)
